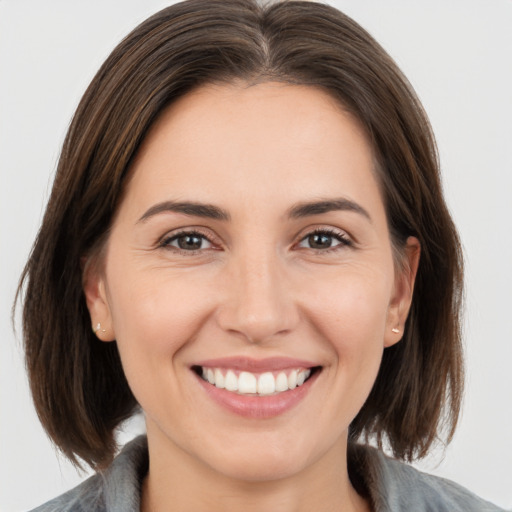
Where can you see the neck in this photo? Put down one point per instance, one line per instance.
(178, 481)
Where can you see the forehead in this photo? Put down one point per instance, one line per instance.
(270, 140)
(301, 108)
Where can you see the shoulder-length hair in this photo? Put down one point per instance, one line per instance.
(77, 382)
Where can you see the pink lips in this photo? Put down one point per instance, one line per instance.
(271, 364)
(257, 407)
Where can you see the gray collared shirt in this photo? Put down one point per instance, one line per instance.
(390, 485)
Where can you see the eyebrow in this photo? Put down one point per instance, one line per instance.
(194, 209)
(297, 211)
(309, 208)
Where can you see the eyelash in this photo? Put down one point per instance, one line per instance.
(341, 237)
(166, 241)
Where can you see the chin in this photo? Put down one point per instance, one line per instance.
(260, 468)
(262, 458)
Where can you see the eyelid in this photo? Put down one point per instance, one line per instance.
(191, 230)
(341, 235)
(344, 238)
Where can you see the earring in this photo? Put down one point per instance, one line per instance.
(98, 328)
(396, 330)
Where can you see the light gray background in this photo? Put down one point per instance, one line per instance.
(457, 54)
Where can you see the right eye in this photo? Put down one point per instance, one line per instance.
(187, 241)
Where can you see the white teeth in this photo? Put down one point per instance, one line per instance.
(292, 379)
(247, 383)
(267, 383)
(302, 376)
(231, 382)
(219, 379)
(281, 382)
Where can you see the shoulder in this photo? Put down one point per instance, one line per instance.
(398, 487)
(117, 489)
(88, 496)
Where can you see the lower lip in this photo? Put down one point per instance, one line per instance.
(258, 407)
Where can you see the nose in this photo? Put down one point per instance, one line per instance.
(258, 303)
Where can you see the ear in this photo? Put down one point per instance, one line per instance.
(94, 286)
(405, 276)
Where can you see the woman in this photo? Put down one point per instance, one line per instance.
(266, 299)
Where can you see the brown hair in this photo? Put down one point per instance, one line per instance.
(77, 382)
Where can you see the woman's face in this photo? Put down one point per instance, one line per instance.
(251, 249)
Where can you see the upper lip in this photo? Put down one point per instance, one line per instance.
(256, 365)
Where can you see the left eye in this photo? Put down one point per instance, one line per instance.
(323, 240)
(188, 241)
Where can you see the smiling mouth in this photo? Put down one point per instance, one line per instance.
(255, 384)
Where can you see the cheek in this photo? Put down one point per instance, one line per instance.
(155, 313)
(353, 310)
(351, 319)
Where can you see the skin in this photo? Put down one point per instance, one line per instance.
(257, 288)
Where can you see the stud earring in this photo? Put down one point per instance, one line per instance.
(396, 330)
(98, 328)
